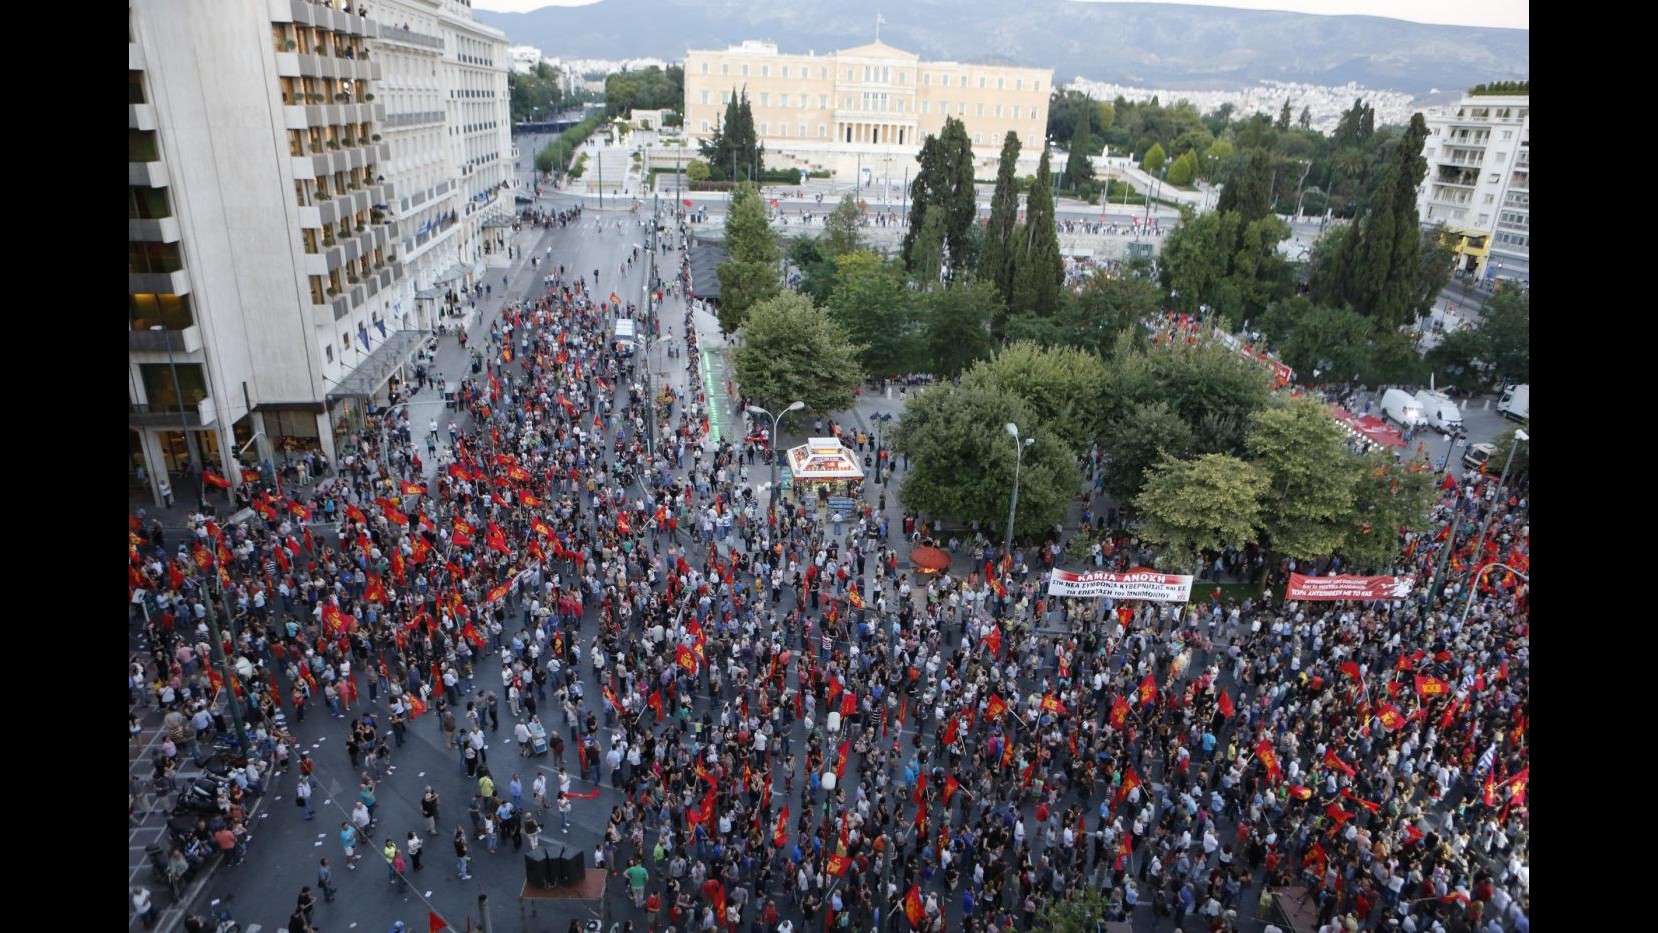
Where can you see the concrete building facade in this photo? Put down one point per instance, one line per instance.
(865, 110)
(1478, 183)
(273, 249)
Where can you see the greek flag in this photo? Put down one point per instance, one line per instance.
(1486, 760)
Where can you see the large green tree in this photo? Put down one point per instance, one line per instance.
(1505, 325)
(536, 95)
(749, 274)
(1248, 191)
(996, 258)
(840, 228)
(1193, 506)
(1184, 169)
(1375, 265)
(962, 462)
(1387, 496)
(648, 89)
(944, 185)
(1038, 269)
(733, 150)
(1138, 440)
(1154, 159)
(791, 351)
(1078, 167)
(871, 303)
(1106, 307)
(1062, 386)
(1311, 477)
(955, 325)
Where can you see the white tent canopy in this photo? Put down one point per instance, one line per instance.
(823, 458)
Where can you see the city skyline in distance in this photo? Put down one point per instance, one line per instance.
(1491, 14)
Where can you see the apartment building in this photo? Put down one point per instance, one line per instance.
(1478, 183)
(866, 111)
(275, 249)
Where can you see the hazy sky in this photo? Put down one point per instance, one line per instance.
(1509, 13)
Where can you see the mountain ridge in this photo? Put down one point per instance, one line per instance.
(1147, 45)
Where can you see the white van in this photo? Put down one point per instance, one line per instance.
(1441, 413)
(1515, 403)
(627, 337)
(1402, 408)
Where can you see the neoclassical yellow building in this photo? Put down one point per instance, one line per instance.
(866, 109)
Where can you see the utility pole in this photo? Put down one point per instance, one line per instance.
(599, 160)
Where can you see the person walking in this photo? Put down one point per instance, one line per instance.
(462, 859)
(429, 810)
(564, 811)
(413, 847)
(302, 793)
(143, 904)
(348, 841)
(325, 880)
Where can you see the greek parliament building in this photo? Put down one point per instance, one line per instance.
(866, 109)
(309, 183)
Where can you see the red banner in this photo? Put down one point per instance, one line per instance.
(1348, 587)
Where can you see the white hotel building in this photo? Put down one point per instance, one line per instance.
(1479, 183)
(305, 187)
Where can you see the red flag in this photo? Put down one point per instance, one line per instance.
(951, 785)
(1427, 686)
(913, 908)
(375, 591)
(541, 528)
(656, 703)
(299, 511)
(780, 832)
(418, 549)
(1226, 707)
(413, 489)
(1351, 669)
(435, 923)
(396, 517)
(995, 707)
(837, 865)
(1051, 704)
(1518, 785)
(1488, 790)
(1332, 760)
(849, 704)
(1391, 717)
(498, 593)
(995, 584)
(1269, 758)
(950, 729)
(1335, 812)
(1131, 780)
(1301, 792)
(214, 479)
(1347, 794)
(497, 539)
(1148, 690)
(854, 597)
(686, 659)
(840, 760)
(611, 696)
(994, 640)
(1119, 713)
(416, 707)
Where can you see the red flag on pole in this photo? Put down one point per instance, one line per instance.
(780, 833)
(951, 785)
(1226, 707)
(434, 922)
(912, 905)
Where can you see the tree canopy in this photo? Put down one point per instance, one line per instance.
(791, 351)
(749, 274)
(1192, 506)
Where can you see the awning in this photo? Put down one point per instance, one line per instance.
(449, 275)
(428, 294)
(1367, 427)
(391, 353)
(823, 458)
(496, 223)
(705, 261)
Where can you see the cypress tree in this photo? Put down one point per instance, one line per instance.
(1039, 271)
(996, 262)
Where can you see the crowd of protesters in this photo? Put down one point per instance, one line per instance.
(800, 732)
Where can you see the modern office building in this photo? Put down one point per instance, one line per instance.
(1478, 183)
(299, 175)
(866, 110)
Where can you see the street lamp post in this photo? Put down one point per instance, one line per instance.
(1013, 506)
(1301, 186)
(1485, 526)
(1474, 588)
(771, 453)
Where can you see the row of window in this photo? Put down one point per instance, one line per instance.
(823, 133)
(877, 102)
(878, 74)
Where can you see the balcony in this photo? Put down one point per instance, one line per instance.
(404, 120)
(157, 230)
(409, 37)
(145, 340)
(147, 174)
(140, 117)
(307, 13)
(158, 283)
(200, 415)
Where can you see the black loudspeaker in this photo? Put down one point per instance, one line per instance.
(572, 868)
(538, 871)
(551, 855)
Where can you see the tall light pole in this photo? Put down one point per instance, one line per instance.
(771, 452)
(1013, 506)
(1301, 186)
(879, 417)
(1474, 587)
(1485, 526)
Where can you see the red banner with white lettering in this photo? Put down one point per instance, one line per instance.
(1348, 587)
